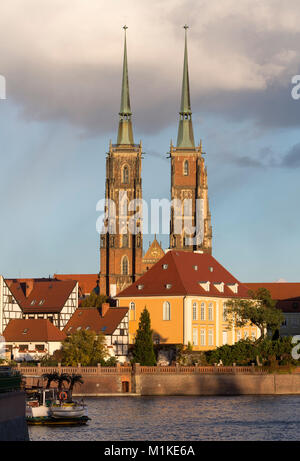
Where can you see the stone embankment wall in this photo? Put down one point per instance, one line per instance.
(13, 426)
(173, 380)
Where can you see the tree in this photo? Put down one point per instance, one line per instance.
(63, 377)
(94, 300)
(84, 347)
(74, 379)
(143, 352)
(50, 378)
(259, 310)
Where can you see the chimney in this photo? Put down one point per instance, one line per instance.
(104, 309)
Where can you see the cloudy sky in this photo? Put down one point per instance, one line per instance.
(62, 61)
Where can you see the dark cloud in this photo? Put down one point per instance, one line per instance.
(268, 159)
(292, 158)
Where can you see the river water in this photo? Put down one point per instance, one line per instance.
(183, 418)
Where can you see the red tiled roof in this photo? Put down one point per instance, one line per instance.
(41, 295)
(287, 294)
(278, 290)
(184, 279)
(87, 282)
(32, 330)
(91, 318)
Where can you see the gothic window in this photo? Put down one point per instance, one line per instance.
(102, 242)
(186, 168)
(125, 265)
(138, 241)
(125, 178)
(112, 241)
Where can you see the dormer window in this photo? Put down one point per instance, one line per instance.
(41, 302)
(195, 268)
(165, 266)
(211, 269)
(205, 285)
(233, 287)
(219, 286)
(33, 302)
(168, 286)
(140, 287)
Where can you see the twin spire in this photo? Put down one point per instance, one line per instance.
(185, 138)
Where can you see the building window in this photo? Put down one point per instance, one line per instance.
(125, 265)
(210, 311)
(122, 332)
(202, 337)
(125, 175)
(246, 334)
(225, 337)
(202, 311)
(195, 336)
(186, 168)
(210, 337)
(195, 311)
(166, 311)
(132, 309)
(238, 335)
(40, 347)
(23, 348)
(253, 335)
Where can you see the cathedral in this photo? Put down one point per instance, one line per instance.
(121, 240)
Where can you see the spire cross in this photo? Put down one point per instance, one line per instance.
(186, 27)
(125, 27)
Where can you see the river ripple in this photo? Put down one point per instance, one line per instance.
(183, 418)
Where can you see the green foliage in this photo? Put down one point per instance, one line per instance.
(242, 353)
(84, 347)
(94, 300)
(266, 352)
(189, 347)
(50, 377)
(260, 311)
(143, 351)
(111, 362)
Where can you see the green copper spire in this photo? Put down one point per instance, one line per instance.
(185, 136)
(125, 134)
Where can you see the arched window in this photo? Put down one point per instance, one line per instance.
(202, 314)
(132, 309)
(166, 311)
(210, 311)
(125, 175)
(186, 168)
(195, 311)
(125, 265)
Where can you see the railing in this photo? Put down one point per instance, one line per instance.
(203, 370)
(39, 371)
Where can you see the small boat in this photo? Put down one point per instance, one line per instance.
(44, 406)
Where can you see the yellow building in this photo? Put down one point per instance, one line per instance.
(186, 294)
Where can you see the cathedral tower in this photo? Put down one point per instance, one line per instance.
(188, 181)
(121, 243)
